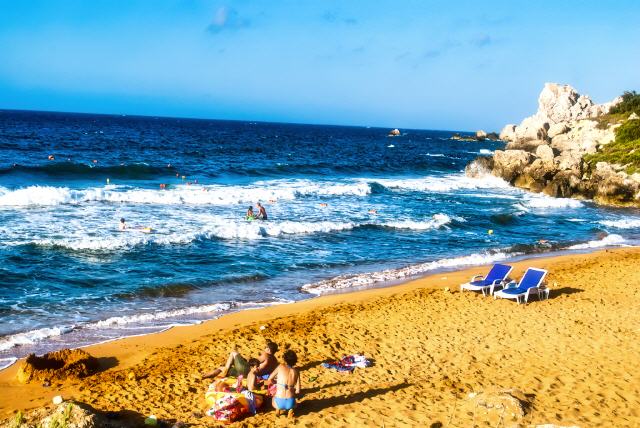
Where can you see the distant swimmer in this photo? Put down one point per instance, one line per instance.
(373, 211)
(52, 157)
(95, 161)
(262, 213)
(323, 204)
(122, 225)
(250, 215)
(272, 201)
(163, 186)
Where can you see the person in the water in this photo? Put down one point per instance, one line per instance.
(262, 213)
(250, 215)
(122, 225)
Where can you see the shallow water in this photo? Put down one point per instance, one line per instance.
(348, 207)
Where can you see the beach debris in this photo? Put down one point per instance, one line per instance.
(58, 365)
(57, 400)
(497, 406)
(151, 420)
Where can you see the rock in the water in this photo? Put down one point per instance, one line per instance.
(481, 135)
(509, 163)
(479, 167)
(394, 132)
(58, 365)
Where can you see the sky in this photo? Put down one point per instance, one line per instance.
(453, 65)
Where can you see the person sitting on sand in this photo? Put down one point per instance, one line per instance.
(262, 213)
(122, 225)
(287, 378)
(237, 365)
(268, 361)
(250, 215)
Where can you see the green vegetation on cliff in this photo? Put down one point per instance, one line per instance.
(630, 104)
(625, 150)
(621, 112)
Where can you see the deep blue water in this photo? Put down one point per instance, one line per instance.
(348, 207)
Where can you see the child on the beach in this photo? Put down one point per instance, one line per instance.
(287, 378)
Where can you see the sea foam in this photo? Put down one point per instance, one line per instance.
(344, 282)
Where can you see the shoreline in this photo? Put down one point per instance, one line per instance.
(400, 278)
(135, 353)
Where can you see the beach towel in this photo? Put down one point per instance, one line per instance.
(348, 363)
(230, 400)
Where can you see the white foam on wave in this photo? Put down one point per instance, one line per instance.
(625, 223)
(160, 315)
(607, 241)
(181, 194)
(539, 201)
(31, 337)
(344, 282)
(438, 221)
(7, 362)
(445, 183)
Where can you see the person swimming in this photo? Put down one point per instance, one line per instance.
(122, 225)
(262, 213)
(250, 214)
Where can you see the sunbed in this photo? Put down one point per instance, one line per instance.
(529, 284)
(494, 278)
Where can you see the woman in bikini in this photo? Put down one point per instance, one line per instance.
(287, 378)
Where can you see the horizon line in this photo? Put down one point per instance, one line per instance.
(224, 120)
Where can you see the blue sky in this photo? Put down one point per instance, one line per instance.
(417, 64)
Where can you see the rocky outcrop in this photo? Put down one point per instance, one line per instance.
(545, 152)
(58, 365)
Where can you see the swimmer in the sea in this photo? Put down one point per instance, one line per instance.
(262, 213)
(122, 225)
(250, 215)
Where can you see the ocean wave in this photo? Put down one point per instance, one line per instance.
(344, 282)
(445, 183)
(31, 337)
(438, 221)
(180, 194)
(86, 170)
(160, 315)
(607, 241)
(625, 223)
(543, 202)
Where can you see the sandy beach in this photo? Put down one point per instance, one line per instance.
(572, 358)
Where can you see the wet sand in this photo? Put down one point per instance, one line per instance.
(574, 357)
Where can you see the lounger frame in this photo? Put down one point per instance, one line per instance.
(524, 296)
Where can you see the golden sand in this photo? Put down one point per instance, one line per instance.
(574, 358)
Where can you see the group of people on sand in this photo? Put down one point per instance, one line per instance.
(265, 374)
(261, 215)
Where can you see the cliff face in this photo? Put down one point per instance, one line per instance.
(545, 152)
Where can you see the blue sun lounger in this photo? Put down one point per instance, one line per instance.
(494, 278)
(529, 284)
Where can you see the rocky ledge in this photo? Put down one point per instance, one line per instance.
(547, 151)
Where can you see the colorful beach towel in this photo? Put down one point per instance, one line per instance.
(348, 363)
(229, 399)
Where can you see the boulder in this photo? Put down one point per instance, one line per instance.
(492, 136)
(509, 164)
(556, 101)
(545, 153)
(563, 184)
(495, 407)
(508, 133)
(532, 128)
(526, 145)
(481, 135)
(557, 129)
(633, 116)
(394, 133)
(58, 365)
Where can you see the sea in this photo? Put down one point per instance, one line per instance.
(348, 208)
